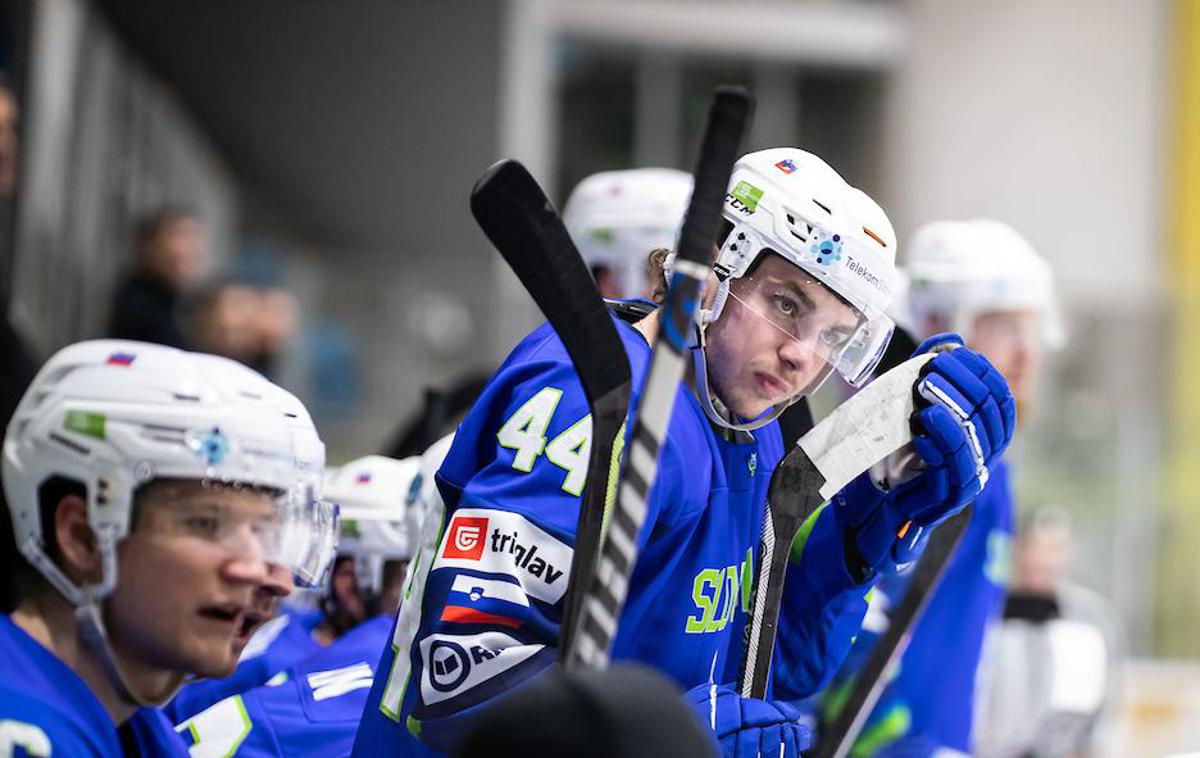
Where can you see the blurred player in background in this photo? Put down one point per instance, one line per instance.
(1053, 679)
(313, 707)
(616, 218)
(155, 496)
(981, 279)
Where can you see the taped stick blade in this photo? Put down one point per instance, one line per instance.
(866, 428)
(515, 214)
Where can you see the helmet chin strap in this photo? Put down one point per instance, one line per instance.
(88, 616)
(92, 629)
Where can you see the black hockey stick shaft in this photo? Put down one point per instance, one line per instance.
(602, 607)
(793, 496)
(515, 214)
(873, 677)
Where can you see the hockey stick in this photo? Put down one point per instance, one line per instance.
(606, 596)
(861, 432)
(514, 213)
(870, 681)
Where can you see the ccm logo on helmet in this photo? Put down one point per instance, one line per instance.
(507, 543)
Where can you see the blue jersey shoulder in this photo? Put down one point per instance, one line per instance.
(45, 708)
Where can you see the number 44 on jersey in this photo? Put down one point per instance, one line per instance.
(525, 432)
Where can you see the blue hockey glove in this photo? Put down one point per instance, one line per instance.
(965, 419)
(747, 728)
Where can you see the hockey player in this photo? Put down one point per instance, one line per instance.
(313, 707)
(983, 280)
(365, 581)
(616, 217)
(152, 493)
(801, 280)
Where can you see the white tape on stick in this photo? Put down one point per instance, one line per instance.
(866, 428)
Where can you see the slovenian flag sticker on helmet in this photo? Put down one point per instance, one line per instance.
(363, 478)
(786, 166)
(121, 359)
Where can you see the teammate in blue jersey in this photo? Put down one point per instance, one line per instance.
(153, 494)
(983, 280)
(311, 706)
(802, 277)
(366, 580)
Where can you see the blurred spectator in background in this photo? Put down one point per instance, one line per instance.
(1054, 670)
(17, 364)
(172, 255)
(248, 324)
(8, 138)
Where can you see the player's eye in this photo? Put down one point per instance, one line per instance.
(785, 305)
(203, 525)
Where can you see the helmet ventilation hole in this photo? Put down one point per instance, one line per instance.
(822, 206)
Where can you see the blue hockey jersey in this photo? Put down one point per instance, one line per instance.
(930, 703)
(311, 709)
(47, 709)
(485, 612)
(280, 642)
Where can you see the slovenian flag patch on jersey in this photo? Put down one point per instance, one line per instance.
(473, 600)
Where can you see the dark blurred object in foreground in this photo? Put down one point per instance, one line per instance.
(625, 712)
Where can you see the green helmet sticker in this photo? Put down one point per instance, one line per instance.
(603, 235)
(748, 194)
(85, 422)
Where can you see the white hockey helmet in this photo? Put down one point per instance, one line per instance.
(114, 415)
(790, 202)
(960, 269)
(373, 494)
(616, 218)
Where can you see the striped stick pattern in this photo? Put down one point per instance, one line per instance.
(601, 608)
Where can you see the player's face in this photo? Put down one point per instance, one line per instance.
(193, 580)
(765, 347)
(1012, 342)
(265, 605)
(394, 573)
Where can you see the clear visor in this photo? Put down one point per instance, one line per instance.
(291, 529)
(821, 324)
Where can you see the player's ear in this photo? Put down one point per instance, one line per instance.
(76, 540)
